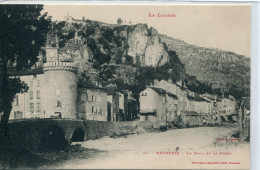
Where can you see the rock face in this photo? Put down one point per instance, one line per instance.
(137, 41)
(120, 43)
(146, 47)
(92, 44)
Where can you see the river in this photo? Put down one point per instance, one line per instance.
(201, 148)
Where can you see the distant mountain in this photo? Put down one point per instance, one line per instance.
(221, 69)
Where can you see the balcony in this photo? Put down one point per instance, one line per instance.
(147, 110)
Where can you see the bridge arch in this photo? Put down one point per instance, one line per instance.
(52, 138)
(78, 135)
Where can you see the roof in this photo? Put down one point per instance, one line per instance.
(172, 95)
(190, 97)
(14, 72)
(111, 90)
(159, 90)
(89, 85)
(200, 99)
(162, 91)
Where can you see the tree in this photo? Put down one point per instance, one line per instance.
(119, 21)
(23, 31)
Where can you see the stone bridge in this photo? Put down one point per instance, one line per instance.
(44, 134)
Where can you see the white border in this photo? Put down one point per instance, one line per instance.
(255, 52)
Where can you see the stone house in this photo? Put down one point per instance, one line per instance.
(121, 106)
(190, 106)
(153, 104)
(29, 105)
(201, 104)
(55, 92)
(92, 101)
(227, 105)
(52, 90)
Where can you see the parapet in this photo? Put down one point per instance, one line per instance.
(60, 66)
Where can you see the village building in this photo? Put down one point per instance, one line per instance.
(29, 105)
(52, 90)
(121, 106)
(190, 106)
(201, 104)
(55, 91)
(226, 107)
(153, 104)
(92, 102)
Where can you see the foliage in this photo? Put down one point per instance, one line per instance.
(23, 31)
(119, 21)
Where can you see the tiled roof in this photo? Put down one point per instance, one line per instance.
(200, 99)
(172, 95)
(190, 97)
(159, 90)
(88, 84)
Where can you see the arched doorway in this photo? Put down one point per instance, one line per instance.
(53, 138)
(78, 135)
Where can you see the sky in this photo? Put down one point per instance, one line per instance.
(227, 27)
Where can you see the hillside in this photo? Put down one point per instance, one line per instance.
(113, 55)
(222, 69)
(131, 56)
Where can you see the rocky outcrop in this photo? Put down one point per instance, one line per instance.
(120, 43)
(155, 53)
(146, 47)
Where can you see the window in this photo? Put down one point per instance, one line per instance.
(16, 100)
(38, 107)
(31, 84)
(31, 94)
(31, 107)
(83, 97)
(92, 98)
(18, 115)
(99, 98)
(38, 83)
(83, 108)
(92, 109)
(38, 95)
(59, 104)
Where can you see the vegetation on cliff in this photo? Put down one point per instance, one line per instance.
(132, 56)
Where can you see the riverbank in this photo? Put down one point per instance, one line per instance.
(151, 150)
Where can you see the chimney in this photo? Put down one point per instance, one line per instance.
(184, 84)
(156, 82)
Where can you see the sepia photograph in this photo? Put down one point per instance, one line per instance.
(125, 86)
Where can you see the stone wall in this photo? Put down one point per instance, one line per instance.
(43, 134)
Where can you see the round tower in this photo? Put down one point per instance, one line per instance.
(60, 86)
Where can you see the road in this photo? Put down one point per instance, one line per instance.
(177, 148)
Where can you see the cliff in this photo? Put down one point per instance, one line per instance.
(116, 54)
(116, 44)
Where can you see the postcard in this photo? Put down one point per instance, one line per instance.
(125, 86)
